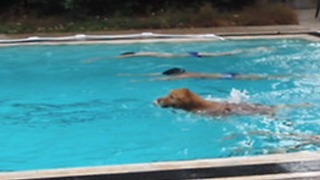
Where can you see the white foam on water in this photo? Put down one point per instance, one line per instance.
(238, 96)
(235, 96)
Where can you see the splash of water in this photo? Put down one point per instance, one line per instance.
(235, 96)
(238, 96)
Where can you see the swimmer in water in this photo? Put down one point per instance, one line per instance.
(146, 54)
(172, 55)
(140, 54)
(179, 73)
(193, 54)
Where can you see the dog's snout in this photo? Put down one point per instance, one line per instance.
(160, 100)
(157, 101)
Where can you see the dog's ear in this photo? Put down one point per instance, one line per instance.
(186, 90)
(181, 92)
(189, 93)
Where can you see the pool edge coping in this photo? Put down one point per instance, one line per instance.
(306, 35)
(304, 156)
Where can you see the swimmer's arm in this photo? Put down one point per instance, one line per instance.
(127, 74)
(260, 76)
(210, 76)
(220, 54)
(149, 54)
(137, 54)
(163, 55)
(167, 55)
(126, 56)
(190, 75)
(157, 79)
(168, 78)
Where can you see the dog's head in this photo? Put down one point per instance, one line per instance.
(180, 99)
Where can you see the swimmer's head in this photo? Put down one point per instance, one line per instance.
(195, 54)
(173, 71)
(127, 53)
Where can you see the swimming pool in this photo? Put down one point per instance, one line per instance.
(59, 111)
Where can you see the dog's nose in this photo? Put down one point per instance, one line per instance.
(157, 101)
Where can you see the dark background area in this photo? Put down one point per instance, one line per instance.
(82, 8)
(37, 16)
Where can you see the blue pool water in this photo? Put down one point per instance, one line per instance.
(58, 111)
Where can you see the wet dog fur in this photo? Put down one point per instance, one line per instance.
(187, 100)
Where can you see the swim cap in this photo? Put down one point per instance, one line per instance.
(127, 53)
(230, 75)
(174, 71)
(195, 54)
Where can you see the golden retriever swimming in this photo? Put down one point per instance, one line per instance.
(186, 100)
